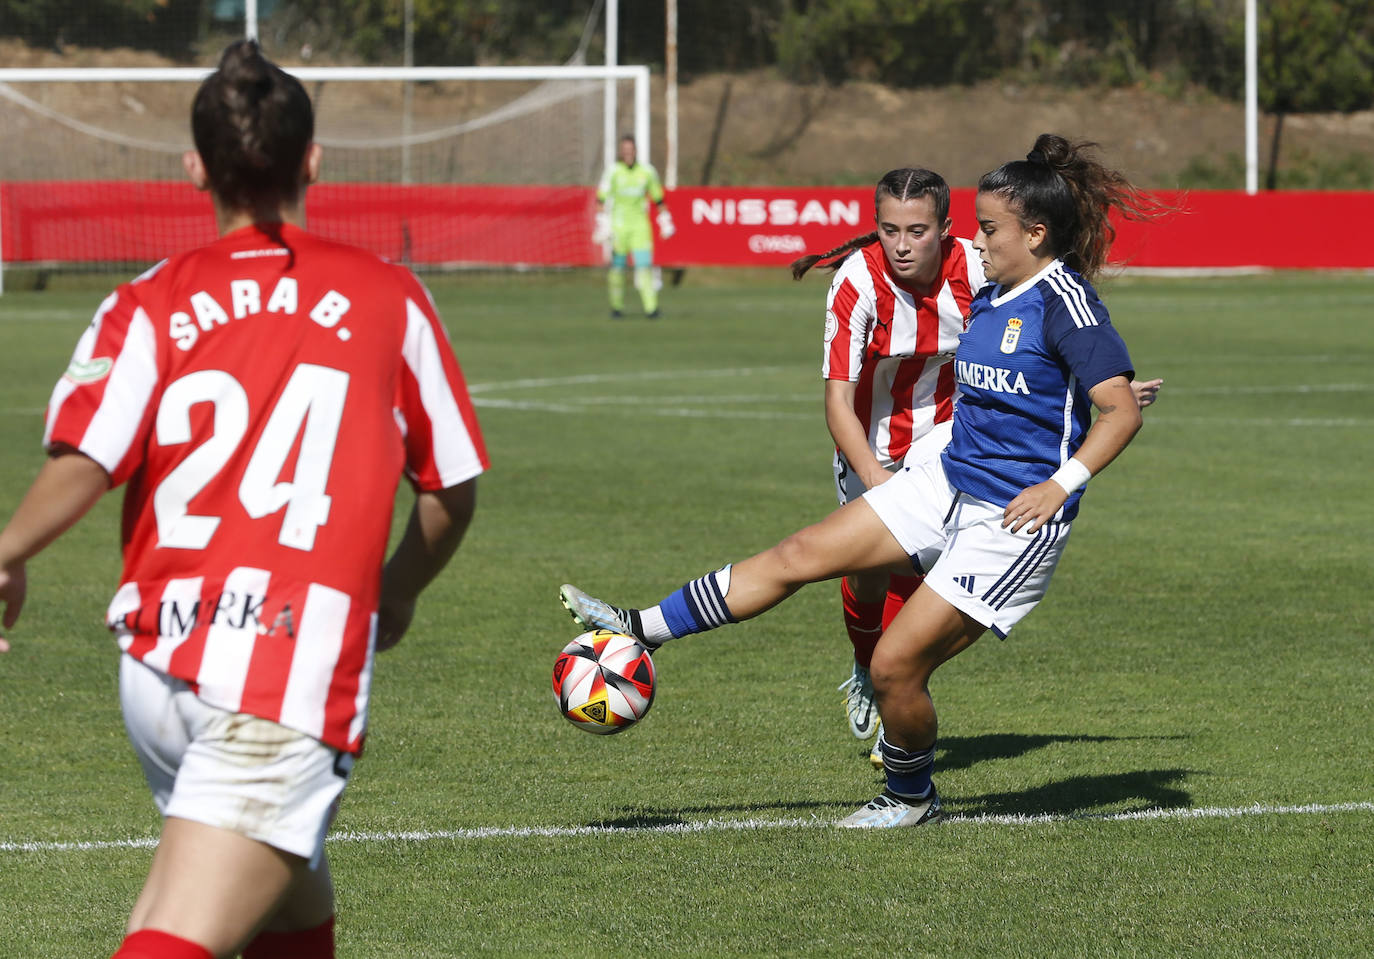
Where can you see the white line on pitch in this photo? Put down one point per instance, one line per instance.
(647, 406)
(47, 316)
(740, 825)
(1271, 388)
(620, 377)
(492, 403)
(1164, 419)
(688, 399)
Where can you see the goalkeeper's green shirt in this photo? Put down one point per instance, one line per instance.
(625, 190)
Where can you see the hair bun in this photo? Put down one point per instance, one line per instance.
(246, 69)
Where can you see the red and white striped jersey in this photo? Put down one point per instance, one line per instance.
(261, 397)
(897, 344)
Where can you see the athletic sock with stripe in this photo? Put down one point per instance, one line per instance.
(908, 771)
(695, 608)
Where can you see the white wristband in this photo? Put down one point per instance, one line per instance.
(1072, 475)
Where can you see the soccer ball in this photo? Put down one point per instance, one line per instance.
(603, 681)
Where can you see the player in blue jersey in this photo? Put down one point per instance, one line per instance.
(986, 521)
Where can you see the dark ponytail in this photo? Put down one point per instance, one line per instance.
(803, 263)
(1065, 187)
(908, 183)
(252, 124)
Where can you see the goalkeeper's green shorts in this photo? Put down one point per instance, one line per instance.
(633, 237)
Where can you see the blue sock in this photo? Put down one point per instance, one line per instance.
(908, 773)
(695, 608)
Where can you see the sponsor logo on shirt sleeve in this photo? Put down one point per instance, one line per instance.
(89, 371)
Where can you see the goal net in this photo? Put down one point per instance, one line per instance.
(438, 167)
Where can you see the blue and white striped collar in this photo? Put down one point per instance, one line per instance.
(1001, 296)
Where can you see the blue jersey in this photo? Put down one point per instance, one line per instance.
(1024, 367)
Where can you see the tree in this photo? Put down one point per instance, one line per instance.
(170, 27)
(1315, 56)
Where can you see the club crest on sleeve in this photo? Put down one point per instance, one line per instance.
(89, 371)
(832, 325)
(1011, 335)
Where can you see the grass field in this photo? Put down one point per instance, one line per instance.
(1170, 757)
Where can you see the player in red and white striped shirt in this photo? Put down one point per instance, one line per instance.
(896, 307)
(260, 398)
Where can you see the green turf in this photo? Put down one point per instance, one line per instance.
(1205, 647)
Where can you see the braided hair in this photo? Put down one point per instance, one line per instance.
(252, 124)
(908, 183)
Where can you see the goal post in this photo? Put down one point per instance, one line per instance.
(481, 157)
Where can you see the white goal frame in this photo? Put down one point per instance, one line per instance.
(638, 74)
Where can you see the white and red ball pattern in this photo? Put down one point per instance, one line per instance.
(603, 681)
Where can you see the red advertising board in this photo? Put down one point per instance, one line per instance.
(1205, 229)
(122, 221)
(544, 226)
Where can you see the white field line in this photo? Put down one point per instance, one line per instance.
(708, 406)
(737, 825)
(1164, 419)
(623, 376)
(679, 411)
(45, 316)
(1264, 390)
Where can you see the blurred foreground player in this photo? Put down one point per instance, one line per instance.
(261, 398)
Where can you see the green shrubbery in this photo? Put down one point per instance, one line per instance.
(1315, 54)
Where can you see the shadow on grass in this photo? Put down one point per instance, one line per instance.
(1139, 790)
(961, 752)
(1078, 795)
(683, 815)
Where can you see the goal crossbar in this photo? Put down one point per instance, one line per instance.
(14, 79)
(638, 73)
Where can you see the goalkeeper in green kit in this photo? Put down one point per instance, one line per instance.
(623, 196)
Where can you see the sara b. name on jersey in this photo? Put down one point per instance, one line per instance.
(205, 314)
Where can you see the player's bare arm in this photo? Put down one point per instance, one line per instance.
(438, 521)
(1118, 420)
(848, 432)
(66, 487)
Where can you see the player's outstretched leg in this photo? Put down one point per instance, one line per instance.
(696, 607)
(850, 538)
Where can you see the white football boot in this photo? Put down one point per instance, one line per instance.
(875, 755)
(591, 613)
(889, 812)
(859, 704)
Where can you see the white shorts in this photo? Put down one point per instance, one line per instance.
(848, 486)
(231, 770)
(992, 574)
